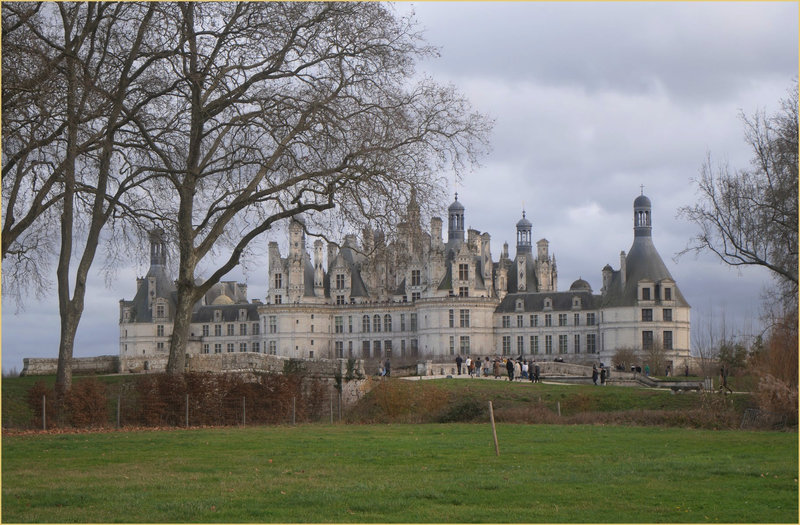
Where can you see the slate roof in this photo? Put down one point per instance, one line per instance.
(165, 288)
(561, 301)
(230, 313)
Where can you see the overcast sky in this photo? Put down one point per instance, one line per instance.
(590, 100)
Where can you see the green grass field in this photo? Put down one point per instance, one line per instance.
(403, 473)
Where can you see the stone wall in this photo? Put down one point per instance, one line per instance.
(104, 364)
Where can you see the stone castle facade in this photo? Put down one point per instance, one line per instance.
(421, 296)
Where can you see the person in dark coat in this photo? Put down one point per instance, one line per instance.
(594, 375)
(387, 368)
(536, 373)
(510, 368)
(458, 363)
(603, 375)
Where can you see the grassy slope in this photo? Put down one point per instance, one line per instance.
(403, 473)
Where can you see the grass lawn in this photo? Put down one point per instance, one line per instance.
(403, 473)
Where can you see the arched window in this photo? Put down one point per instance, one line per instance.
(376, 323)
(387, 323)
(365, 324)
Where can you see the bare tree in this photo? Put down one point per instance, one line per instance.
(625, 357)
(285, 108)
(749, 216)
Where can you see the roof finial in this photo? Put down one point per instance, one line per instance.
(642, 188)
(456, 195)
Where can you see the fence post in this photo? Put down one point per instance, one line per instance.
(293, 409)
(244, 412)
(119, 401)
(558, 407)
(44, 412)
(187, 410)
(494, 431)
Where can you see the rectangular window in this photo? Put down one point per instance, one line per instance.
(256, 328)
(243, 329)
(243, 347)
(645, 294)
(365, 324)
(338, 324)
(666, 314)
(414, 296)
(463, 272)
(667, 294)
(376, 349)
(278, 280)
(350, 324)
(667, 339)
(647, 340)
(534, 344)
(414, 347)
(534, 320)
(562, 344)
(576, 319)
(506, 345)
(217, 329)
(463, 318)
(387, 323)
(159, 310)
(402, 322)
(205, 348)
(464, 344)
(520, 344)
(230, 348)
(463, 291)
(160, 346)
(506, 321)
(590, 319)
(562, 319)
(365, 349)
(160, 330)
(273, 324)
(647, 314)
(452, 345)
(256, 347)
(217, 348)
(339, 348)
(273, 348)
(278, 299)
(339, 281)
(340, 299)
(413, 322)
(548, 344)
(577, 347)
(452, 314)
(520, 323)
(402, 347)
(591, 343)
(205, 331)
(548, 319)
(416, 278)
(230, 329)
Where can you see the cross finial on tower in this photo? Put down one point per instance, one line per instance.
(456, 195)
(641, 186)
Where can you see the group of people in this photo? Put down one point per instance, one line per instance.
(602, 374)
(519, 369)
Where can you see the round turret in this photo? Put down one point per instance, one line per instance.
(580, 285)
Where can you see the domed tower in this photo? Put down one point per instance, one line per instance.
(158, 252)
(455, 223)
(642, 225)
(524, 235)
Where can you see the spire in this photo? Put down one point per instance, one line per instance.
(524, 227)
(642, 225)
(158, 252)
(455, 223)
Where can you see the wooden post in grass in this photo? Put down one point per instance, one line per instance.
(44, 412)
(187, 410)
(244, 411)
(494, 430)
(558, 408)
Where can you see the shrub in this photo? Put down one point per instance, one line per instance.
(465, 411)
(37, 392)
(87, 403)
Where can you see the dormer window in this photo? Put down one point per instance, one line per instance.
(160, 309)
(278, 280)
(548, 303)
(416, 278)
(242, 314)
(520, 305)
(463, 272)
(576, 302)
(340, 281)
(217, 315)
(667, 294)
(645, 294)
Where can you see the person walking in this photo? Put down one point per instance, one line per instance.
(524, 367)
(536, 371)
(387, 368)
(594, 374)
(517, 369)
(458, 363)
(510, 369)
(496, 368)
(603, 375)
(723, 376)
(486, 365)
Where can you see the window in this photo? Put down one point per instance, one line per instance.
(591, 343)
(339, 349)
(464, 344)
(416, 279)
(562, 319)
(463, 291)
(590, 319)
(273, 324)
(339, 281)
(230, 348)
(243, 347)
(350, 324)
(519, 321)
(506, 345)
(217, 330)
(365, 349)
(506, 321)
(520, 344)
(645, 294)
(402, 322)
(548, 344)
(647, 340)
(548, 319)
(387, 323)
(534, 320)
(414, 296)
(576, 319)
(278, 299)
(667, 294)
(534, 344)
(452, 345)
(159, 310)
(548, 303)
(562, 344)
(217, 348)
(666, 314)
(230, 328)
(463, 318)
(520, 305)
(577, 347)
(403, 347)
(376, 349)
(278, 280)
(452, 318)
(463, 272)
(160, 330)
(414, 347)
(217, 315)
(256, 347)
(667, 339)
(338, 324)
(413, 321)
(205, 348)
(243, 329)
(365, 325)
(256, 327)
(340, 299)
(647, 314)
(273, 348)
(160, 346)
(349, 348)
(376, 323)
